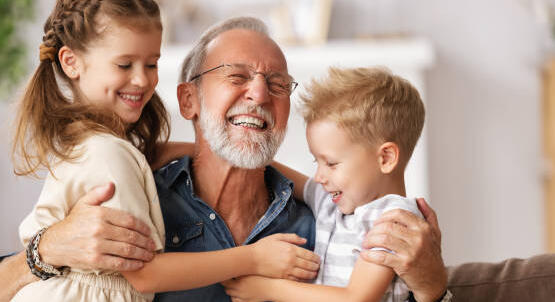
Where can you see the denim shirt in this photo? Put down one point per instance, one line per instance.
(193, 226)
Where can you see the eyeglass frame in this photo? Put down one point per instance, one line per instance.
(292, 82)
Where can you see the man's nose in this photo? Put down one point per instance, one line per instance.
(257, 90)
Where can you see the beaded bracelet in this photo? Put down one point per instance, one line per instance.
(40, 269)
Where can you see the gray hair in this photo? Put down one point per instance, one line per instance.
(193, 62)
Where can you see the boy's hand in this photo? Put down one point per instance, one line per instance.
(248, 288)
(278, 256)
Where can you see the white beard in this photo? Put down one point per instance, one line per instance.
(249, 151)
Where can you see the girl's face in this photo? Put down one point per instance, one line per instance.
(119, 70)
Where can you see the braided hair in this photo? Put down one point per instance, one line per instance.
(49, 124)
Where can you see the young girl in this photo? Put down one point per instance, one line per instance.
(105, 53)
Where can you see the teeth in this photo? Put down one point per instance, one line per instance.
(335, 194)
(134, 98)
(248, 121)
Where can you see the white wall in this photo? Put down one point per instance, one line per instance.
(483, 125)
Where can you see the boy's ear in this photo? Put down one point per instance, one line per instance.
(187, 95)
(388, 157)
(70, 62)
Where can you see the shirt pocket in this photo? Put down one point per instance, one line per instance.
(186, 238)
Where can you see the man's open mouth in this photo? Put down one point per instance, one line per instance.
(248, 121)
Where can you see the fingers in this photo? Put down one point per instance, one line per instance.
(298, 274)
(123, 235)
(126, 250)
(401, 217)
(388, 241)
(108, 262)
(311, 259)
(125, 220)
(306, 265)
(291, 238)
(382, 258)
(428, 212)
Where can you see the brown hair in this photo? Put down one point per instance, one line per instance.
(48, 124)
(371, 104)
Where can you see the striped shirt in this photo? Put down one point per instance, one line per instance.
(338, 234)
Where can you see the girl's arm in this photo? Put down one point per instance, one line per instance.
(297, 177)
(368, 283)
(273, 256)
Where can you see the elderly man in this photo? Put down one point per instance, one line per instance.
(236, 90)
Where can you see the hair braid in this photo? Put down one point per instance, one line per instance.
(48, 124)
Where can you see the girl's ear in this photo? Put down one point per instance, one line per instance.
(187, 95)
(388, 157)
(69, 61)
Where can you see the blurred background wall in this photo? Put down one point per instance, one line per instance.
(483, 100)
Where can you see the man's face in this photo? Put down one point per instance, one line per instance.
(244, 122)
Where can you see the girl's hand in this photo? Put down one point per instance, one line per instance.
(248, 288)
(278, 256)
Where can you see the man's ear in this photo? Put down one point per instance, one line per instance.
(70, 62)
(187, 95)
(388, 157)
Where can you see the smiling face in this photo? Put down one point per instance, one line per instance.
(243, 122)
(119, 70)
(347, 170)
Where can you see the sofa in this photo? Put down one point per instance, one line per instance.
(527, 280)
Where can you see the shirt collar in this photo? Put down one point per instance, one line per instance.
(272, 177)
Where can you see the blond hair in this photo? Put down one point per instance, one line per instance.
(371, 104)
(48, 124)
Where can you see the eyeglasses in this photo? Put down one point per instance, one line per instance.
(240, 74)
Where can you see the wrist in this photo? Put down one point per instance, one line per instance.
(251, 257)
(433, 296)
(46, 253)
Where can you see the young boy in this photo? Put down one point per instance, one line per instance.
(362, 127)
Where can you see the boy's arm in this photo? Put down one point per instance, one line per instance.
(297, 177)
(368, 283)
(273, 256)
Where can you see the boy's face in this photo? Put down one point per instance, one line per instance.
(347, 170)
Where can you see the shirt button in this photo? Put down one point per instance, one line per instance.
(212, 216)
(283, 193)
(188, 182)
(175, 239)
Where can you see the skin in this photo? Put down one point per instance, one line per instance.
(175, 269)
(233, 192)
(124, 74)
(120, 241)
(356, 173)
(275, 256)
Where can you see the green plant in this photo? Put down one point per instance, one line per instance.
(12, 48)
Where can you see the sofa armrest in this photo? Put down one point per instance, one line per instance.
(531, 279)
